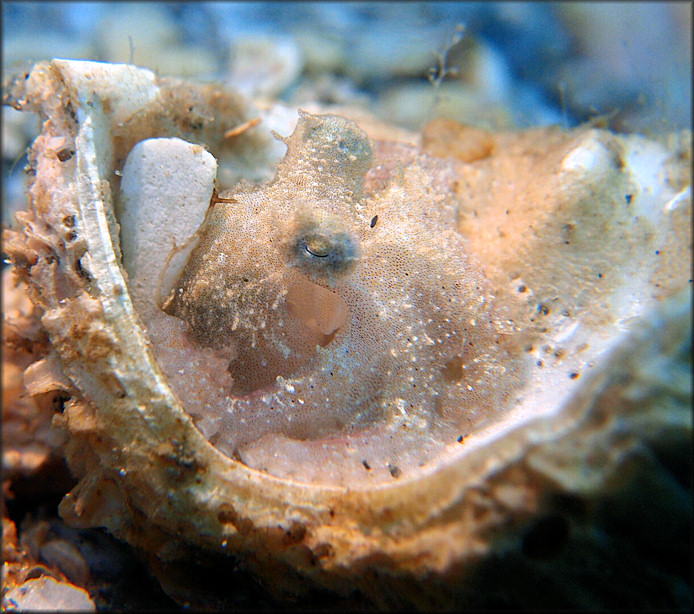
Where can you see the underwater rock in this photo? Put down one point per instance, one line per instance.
(265, 418)
(48, 595)
(414, 104)
(148, 35)
(397, 51)
(264, 66)
(631, 62)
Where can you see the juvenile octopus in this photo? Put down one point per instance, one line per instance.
(349, 318)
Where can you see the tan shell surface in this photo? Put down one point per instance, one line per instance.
(582, 429)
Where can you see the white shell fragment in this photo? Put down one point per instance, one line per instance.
(166, 189)
(568, 255)
(46, 594)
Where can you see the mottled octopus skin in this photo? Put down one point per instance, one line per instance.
(362, 325)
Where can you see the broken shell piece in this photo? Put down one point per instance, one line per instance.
(166, 191)
(536, 485)
(46, 594)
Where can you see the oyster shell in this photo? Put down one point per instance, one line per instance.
(579, 244)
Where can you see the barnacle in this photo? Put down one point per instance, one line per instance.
(382, 371)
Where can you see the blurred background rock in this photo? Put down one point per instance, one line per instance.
(492, 65)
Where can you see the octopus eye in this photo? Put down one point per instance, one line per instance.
(326, 252)
(317, 246)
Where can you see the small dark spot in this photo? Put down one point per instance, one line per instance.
(506, 211)
(574, 375)
(522, 288)
(245, 279)
(374, 219)
(81, 272)
(599, 275)
(540, 363)
(186, 463)
(296, 533)
(366, 465)
(543, 309)
(321, 551)
(65, 154)
(460, 439)
(546, 537)
(69, 221)
(657, 252)
(59, 403)
(394, 471)
(628, 198)
(71, 111)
